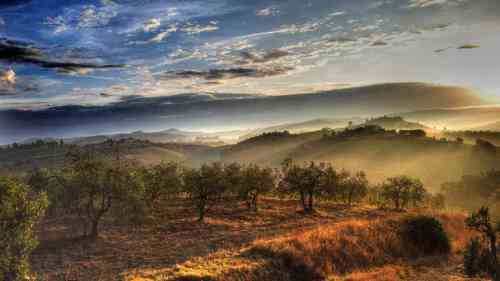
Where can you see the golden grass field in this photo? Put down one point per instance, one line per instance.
(279, 243)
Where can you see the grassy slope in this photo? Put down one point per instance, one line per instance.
(338, 243)
(16, 160)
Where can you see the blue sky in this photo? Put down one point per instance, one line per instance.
(99, 52)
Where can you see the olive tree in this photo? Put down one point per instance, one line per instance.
(403, 190)
(256, 181)
(354, 187)
(309, 181)
(160, 181)
(91, 186)
(20, 210)
(205, 186)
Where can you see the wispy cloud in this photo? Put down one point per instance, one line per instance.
(193, 29)
(151, 24)
(430, 3)
(269, 11)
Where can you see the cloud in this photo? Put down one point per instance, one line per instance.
(151, 24)
(7, 82)
(442, 50)
(22, 52)
(439, 26)
(270, 11)
(87, 16)
(379, 43)
(338, 13)
(468, 46)
(8, 76)
(431, 3)
(12, 3)
(252, 57)
(162, 35)
(379, 4)
(228, 73)
(197, 29)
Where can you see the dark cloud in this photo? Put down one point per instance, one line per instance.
(11, 3)
(439, 26)
(441, 50)
(379, 43)
(22, 52)
(468, 46)
(251, 57)
(229, 73)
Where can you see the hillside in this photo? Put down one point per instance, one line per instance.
(495, 127)
(303, 127)
(278, 244)
(455, 119)
(395, 123)
(148, 114)
(379, 153)
(29, 156)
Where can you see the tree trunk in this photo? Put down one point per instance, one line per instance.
(303, 201)
(254, 202)
(350, 197)
(493, 246)
(311, 198)
(94, 231)
(201, 211)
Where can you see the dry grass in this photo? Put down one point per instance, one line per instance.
(279, 243)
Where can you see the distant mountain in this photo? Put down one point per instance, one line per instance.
(224, 112)
(395, 123)
(165, 136)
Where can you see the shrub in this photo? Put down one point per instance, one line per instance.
(19, 212)
(426, 233)
(472, 258)
(482, 222)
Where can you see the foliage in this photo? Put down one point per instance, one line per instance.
(403, 191)
(481, 222)
(308, 181)
(426, 233)
(205, 186)
(91, 186)
(354, 188)
(473, 258)
(19, 212)
(474, 191)
(161, 181)
(256, 181)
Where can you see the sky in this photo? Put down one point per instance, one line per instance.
(55, 53)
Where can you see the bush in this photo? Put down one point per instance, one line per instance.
(426, 233)
(19, 213)
(472, 258)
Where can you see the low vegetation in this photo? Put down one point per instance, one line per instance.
(20, 210)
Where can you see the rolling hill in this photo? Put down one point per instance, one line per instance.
(378, 152)
(470, 118)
